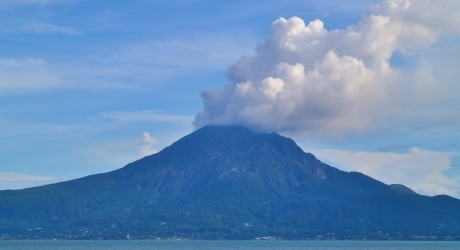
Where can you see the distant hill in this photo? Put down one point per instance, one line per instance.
(226, 182)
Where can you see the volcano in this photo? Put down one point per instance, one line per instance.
(226, 182)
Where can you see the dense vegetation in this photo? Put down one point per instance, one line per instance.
(227, 183)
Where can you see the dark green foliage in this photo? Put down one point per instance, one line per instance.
(226, 182)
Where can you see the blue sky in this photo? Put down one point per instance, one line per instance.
(87, 87)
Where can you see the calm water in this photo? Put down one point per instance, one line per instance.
(225, 245)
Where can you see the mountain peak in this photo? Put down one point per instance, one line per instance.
(234, 138)
(219, 180)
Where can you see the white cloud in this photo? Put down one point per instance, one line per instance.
(26, 75)
(304, 77)
(421, 170)
(47, 28)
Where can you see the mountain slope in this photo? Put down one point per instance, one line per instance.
(226, 182)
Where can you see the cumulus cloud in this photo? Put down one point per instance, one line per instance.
(421, 170)
(306, 78)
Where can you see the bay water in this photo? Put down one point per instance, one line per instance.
(226, 245)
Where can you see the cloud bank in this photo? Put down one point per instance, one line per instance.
(306, 78)
(421, 170)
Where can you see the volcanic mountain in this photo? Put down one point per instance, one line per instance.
(226, 182)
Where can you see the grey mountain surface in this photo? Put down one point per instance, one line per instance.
(226, 182)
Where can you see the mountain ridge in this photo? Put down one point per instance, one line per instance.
(215, 181)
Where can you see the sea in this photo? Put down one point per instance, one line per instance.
(226, 245)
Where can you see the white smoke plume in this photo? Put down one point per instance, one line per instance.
(146, 145)
(306, 78)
